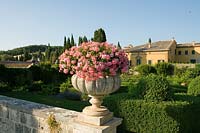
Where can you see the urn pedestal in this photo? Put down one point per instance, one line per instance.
(96, 114)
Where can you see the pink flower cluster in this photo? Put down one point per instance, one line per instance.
(93, 60)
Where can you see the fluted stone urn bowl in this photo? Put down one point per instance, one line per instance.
(96, 89)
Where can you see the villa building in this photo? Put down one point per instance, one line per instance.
(164, 51)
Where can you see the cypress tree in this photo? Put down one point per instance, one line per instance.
(80, 40)
(99, 35)
(119, 46)
(39, 56)
(72, 41)
(149, 40)
(26, 55)
(85, 39)
(68, 45)
(48, 52)
(65, 42)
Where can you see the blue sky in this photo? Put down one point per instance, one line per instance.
(26, 22)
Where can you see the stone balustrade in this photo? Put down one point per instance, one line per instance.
(20, 116)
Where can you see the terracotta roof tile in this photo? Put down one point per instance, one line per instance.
(155, 46)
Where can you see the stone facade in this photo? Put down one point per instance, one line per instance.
(19, 116)
(164, 51)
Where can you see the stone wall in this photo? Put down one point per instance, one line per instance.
(20, 116)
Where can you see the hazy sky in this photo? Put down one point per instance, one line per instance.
(25, 22)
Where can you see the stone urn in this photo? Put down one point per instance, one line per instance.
(96, 89)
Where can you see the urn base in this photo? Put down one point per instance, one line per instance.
(100, 111)
(95, 120)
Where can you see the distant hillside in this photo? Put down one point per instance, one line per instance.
(30, 49)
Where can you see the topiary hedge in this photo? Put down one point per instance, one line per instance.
(194, 87)
(146, 69)
(141, 116)
(164, 68)
(151, 87)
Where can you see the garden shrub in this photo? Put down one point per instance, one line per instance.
(164, 68)
(179, 71)
(4, 86)
(19, 76)
(36, 72)
(49, 89)
(65, 85)
(69, 92)
(35, 86)
(194, 87)
(146, 69)
(141, 116)
(189, 75)
(152, 87)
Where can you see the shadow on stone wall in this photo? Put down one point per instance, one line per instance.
(19, 116)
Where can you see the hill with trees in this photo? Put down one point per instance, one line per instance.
(48, 53)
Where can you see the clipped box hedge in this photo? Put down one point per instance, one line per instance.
(140, 116)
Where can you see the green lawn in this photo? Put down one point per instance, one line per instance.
(48, 100)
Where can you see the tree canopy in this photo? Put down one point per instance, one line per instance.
(99, 35)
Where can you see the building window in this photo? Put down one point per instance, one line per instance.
(175, 51)
(192, 61)
(161, 61)
(130, 63)
(179, 52)
(186, 52)
(138, 61)
(193, 51)
(149, 62)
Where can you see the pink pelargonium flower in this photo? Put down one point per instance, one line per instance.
(105, 56)
(73, 62)
(93, 60)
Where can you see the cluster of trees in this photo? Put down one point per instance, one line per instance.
(32, 52)
(47, 53)
(52, 53)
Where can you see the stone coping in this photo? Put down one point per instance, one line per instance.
(37, 109)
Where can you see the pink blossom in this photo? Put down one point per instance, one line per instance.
(115, 61)
(73, 62)
(92, 60)
(108, 63)
(66, 71)
(71, 72)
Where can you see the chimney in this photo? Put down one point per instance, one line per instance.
(193, 43)
(149, 44)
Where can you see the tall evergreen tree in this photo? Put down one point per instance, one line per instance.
(99, 35)
(68, 45)
(149, 40)
(85, 39)
(72, 41)
(26, 55)
(80, 40)
(54, 56)
(48, 53)
(39, 56)
(65, 42)
(119, 46)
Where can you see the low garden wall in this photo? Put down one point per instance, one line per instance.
(19, 116)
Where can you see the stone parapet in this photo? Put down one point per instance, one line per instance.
(20, 116)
